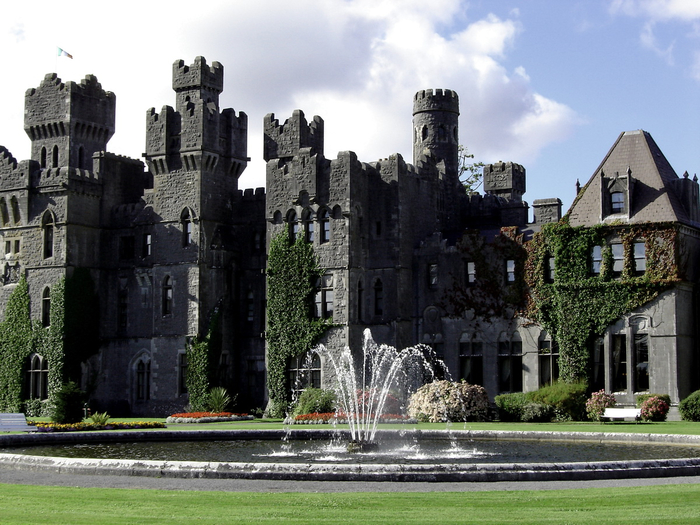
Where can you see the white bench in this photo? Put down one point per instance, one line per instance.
(15, 423)
(622, 413)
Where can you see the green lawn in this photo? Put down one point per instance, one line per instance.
(640, 505)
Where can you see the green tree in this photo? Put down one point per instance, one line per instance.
(470, 173)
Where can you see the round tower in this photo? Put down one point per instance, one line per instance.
(436, 127)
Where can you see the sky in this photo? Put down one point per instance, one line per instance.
(548, 84)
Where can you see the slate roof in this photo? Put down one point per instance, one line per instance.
(654, 197)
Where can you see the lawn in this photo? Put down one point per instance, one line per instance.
(71, 505)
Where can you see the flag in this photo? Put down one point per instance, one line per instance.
(63, 53)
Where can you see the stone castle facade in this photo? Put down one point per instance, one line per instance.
(405, 250)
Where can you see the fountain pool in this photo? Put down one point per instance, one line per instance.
(314, 455)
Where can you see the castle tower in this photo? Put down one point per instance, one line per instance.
(68, 122)
(436, 129)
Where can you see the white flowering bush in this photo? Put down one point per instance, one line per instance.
(442, 401)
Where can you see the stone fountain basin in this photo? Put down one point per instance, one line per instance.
(352, 471)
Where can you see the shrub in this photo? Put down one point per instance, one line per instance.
(643, 397)
(68, 404)
(536, 413)
(510, 406)
(596, 405)
(218, 400)
(314, 400)
(100, 418)
(567, 400)
(441, 401)
(690, 407)
(33, 408)
(654, 409)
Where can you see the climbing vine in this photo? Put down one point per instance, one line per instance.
(15, 346)
(292, 271)
(580, 305)
(202, 358)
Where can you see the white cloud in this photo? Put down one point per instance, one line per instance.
(658, 10)
(650, 41)
(357, 63)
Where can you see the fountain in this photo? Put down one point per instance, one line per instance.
(362, 396)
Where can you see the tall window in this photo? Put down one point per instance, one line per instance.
(54, 157)
(378, 298)
(549, 362)
(147, 245)
(596, 259)
(186, 222)
(143, 380)
(510, 366)
(324, 226)
(619, 363)
(471, 272)
(510, 271)
(471, 362)
(168, 296)
(617, 202)
(432, 275)
(14, 205)
(641, 362)
(292, 225)
(42, 158)
(37, 377)
(304, 372)
(598, 363)
(549, 270)
(323, 304)
(48, 233)
(360, 300)
(640, 257)
(618, 256)
(309, 233)
(4, 215)
(46, 307)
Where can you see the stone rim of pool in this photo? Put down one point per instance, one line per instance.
(595, 470)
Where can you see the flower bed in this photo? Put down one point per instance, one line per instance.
(332, 417)
(207, 417)
(81, 427)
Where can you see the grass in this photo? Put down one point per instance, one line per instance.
(71, 505)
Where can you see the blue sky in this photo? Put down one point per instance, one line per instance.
(549, 84)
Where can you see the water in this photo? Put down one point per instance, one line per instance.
(407, 452)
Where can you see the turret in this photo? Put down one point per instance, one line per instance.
(436, 128)
(283, 141)
(68, 122)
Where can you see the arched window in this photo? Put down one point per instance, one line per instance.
(378, 298)
(143, 380)
(54, 157)
(42, 158)
(46, 307)
(48, 234)
(309, 226)
(293, 225)
(168, 296)
(510, 364)
(323, 304)
(37, 377)
(81, 158)
(304, 372)
(549, 360)
(186, 223)
(360, 300)
(4, 215)
(424, 133)
(14, 204)
(324, 226)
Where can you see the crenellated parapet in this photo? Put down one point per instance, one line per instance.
(505, 179)
(198, 75)
(436, 100)
(283, 141)
(14, 175)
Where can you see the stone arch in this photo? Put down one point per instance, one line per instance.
(140, 376)
(14, 206)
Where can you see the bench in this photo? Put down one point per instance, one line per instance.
(622, 413)
(15, 423)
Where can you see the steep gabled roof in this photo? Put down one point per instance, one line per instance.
(654, 185)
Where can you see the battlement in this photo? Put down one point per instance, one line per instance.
(198, 75)
(285, 140)
(436, 100)
(506, 179)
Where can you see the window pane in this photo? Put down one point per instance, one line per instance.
(618, 257)
(640, 257)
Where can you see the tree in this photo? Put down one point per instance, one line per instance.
(470, 173)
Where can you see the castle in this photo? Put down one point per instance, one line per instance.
(404, 250)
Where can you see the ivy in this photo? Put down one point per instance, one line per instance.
(292, 271)
(15, 347)
(202, 357)
(580, 305)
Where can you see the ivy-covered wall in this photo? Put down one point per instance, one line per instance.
(580, 305)
(292, 271)
(203, 353)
